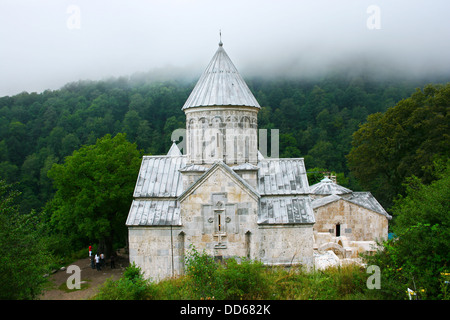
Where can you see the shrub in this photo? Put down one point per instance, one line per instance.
(244, 280)
(203, 273)
(131, 286)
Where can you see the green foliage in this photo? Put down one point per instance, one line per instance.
(420, 253)
(131, 286)
(233, 279)
(22, 252)
(240, 279)
(406, 140)
(203, 273)
(94, 190)
(244, 279)
(237, 279)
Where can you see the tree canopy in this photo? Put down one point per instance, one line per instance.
(94, 188)
(406, 140)
(418, 256)
(23, 254)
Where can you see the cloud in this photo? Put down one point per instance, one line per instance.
(46, 44)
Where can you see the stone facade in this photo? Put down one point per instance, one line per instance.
(226, 133)
(356, 223)
(347, 222)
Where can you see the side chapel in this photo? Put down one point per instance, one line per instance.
(222, 195)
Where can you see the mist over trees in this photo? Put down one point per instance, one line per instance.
(316, 119)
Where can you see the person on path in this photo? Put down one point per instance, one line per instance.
(97, 262)
(102, 259)
(92, 262)
(90, 251)
(113, 265)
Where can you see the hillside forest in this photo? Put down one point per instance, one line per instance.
(316, 121)
(374, 134)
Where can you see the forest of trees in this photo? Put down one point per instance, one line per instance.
(90, 136)
(316, 121)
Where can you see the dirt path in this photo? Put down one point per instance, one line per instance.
(92, 277)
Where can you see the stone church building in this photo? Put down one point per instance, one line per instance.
(222, 195)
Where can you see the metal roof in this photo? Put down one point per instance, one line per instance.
(154, 212)
(282, 177)
(327, 186)
(363, 199)
(221, 85)
(285, 210)
(367, 200)
(159, 176)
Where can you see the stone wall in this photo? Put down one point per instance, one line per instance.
(228, 134)
(355, 222)
(286, 245)
(220, 215)
(157, 250)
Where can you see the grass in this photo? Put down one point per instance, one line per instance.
(242, 280)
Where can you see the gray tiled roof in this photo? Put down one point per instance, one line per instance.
(154, 212)
(282, 177)
(221, 85)
(367, 200)
(327, 186)
(285, 210)
(159, 177)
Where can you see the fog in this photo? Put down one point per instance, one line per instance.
(47, 43)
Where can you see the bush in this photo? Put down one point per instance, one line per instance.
(244, 280)
(234, 279)
(132, 286)
(203, 273)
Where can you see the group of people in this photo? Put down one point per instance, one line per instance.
(98, 261)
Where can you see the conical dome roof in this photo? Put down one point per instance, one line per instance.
(326, 187)
(221, 85)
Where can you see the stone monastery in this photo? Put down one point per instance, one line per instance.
(224, 197)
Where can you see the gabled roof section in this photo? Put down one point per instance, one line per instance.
(221, 85)
(174, 151)
(233, 175)
(367, 200)
(159, 176)
(285, 210)
(154, 212)
(282, 177)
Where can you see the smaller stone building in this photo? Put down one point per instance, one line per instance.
(346, 222)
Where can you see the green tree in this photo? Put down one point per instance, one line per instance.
(22, 251)
(94, 190)
(404, 141)
(420, 253)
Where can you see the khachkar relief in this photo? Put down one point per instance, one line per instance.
(219, 219)
(227, 135)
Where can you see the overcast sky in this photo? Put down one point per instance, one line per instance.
(45, 44)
